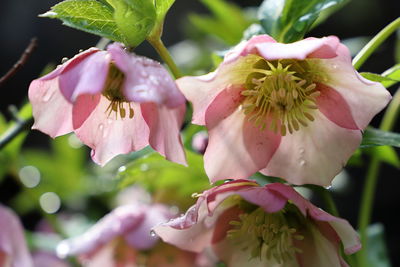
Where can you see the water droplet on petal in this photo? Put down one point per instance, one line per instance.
(302, 162)
(328, 187)
(48, 95)
(101, 127)
(152, 233)
(301, 150)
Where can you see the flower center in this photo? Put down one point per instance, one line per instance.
(113, 92)
(280, 94)
(266, 235)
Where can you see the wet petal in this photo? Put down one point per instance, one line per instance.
(365, 98)
(295, 159)
(88, 76)
(236, 147)
(51, 111)
(146, 80)
(110, 135)
(165, 124)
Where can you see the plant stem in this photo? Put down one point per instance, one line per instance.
(367, 199)
(165, 55)
(375, 42)
(12, 132)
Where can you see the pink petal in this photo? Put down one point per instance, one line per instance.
(295, 159)
(306, 48)
(164, 124)
(335, 107)
(52, 112)
(202, 90)
(119, 222)
(109, 136)
(146, 79)
(83, 107)
(140, 238)
(236, 147)
(13, 248)
(195, 238)
(341, 227)
(247, 47)
(317, 250)
(88, 76)
(365, 98)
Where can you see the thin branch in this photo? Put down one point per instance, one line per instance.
(12, 132)
(23, 59)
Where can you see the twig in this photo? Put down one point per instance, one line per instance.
(24, 57)
(14, 131)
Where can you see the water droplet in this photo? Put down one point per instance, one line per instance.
(328, 187)
(152, 233)
(101, 127)
(122, 169)
(302, 162)
(301, 150)
(144, 74)
(144, 167)
(48, 95)
(63, 60)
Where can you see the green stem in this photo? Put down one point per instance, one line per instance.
(367, 199)
(375, 42)
(165, 55)
(14, 131)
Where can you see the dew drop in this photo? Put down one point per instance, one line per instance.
(302, 162)
(122, 169)
(48, 95)
(144, 74)
(152, 233)
(328, 187)
(101, 127)
(301, 150)
(144, 167)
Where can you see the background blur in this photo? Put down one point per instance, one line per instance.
(360, 18)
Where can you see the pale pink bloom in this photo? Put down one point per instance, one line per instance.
(13, 249)
(115, 102)
(123, 238)
(294, 110)
(200, 142)
(249, 225)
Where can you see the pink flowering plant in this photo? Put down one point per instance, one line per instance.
(218, 150)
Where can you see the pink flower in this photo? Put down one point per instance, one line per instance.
(123, 238)
(200, 141)
(13, 249)
(115, 103)
(248, 225)
(288, 110)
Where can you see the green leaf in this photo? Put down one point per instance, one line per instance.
(374, 137)
(377, 250)
(135, 19)
(393, 74)
(385, 154)
(87, 15)
(288, 20)
(376, 77)
(161, 7)
(227, 23)
(168, 182)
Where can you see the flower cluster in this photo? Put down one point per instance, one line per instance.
(294, 111)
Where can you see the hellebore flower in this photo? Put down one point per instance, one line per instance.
(249, 225)
(115, 103)
(288, 110)
(123, 238)
(13, 249)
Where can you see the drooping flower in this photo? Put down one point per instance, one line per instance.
(114, 101)
(288, 110)
(123, 238)
(13, 249)
(249, 225)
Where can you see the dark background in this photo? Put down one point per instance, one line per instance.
(19, 23)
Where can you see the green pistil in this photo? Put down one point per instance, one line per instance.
(280, 94)
(113, 92)
(265, 235)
